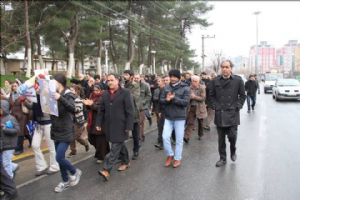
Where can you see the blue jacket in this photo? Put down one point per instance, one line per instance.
(176, 109)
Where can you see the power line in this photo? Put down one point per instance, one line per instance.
(130, 18)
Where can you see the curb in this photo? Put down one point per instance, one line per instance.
(30, 154)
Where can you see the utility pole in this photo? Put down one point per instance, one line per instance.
(203, 50)
(257, 41)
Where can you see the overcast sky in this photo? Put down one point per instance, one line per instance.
(234, 27)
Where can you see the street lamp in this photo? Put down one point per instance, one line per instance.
(106, 42)
(256, 46)
(153, 52)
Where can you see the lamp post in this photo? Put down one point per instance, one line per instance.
(257, 41)
(153, 52)
(203, 50)
(106, 42)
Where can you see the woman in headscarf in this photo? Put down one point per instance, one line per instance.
(96, 138)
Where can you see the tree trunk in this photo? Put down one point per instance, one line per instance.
(114, 55)
(28, 41)
(72, 42)
(99, 54)
(39, 52)
(130, 48)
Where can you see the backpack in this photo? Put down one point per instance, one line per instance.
(79, 117)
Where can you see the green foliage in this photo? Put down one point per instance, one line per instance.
(155, 25)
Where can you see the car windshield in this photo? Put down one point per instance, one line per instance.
(288, 82)
(272, 77)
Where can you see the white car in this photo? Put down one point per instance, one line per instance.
(286, 89)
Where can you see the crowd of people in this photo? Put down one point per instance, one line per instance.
(105, 111)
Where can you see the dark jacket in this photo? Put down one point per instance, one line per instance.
(176, 108)
(92, 112)
(251, 87)
(8, 136)
(115, 116)
(134, 88)
(145, 96)
(38, 115)
(62, 129)
(208, 98)
(156, 97)
(227, 98)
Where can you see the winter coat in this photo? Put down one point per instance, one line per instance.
(176, 108)
(92, 113)
(8, 139)
(157, 107)
(201, 110)
(227, 98)
(16, 111)
(134, 89)
(251, 87)
(62, 129)
(115, 116)
(145, 96)
(38, 115)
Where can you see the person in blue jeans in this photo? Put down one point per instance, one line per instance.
(8, 138)
(175, 99)
(62, 133)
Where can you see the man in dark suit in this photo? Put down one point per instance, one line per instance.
(227, 95)
(115, 118)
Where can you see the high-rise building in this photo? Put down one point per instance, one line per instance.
(288, 58)
(266, 59)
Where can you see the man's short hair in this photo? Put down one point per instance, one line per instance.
(230, 63)
(128, 71)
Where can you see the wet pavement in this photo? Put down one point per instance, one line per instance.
(267, 166)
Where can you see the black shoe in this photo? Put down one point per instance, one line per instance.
(18, 153)
(135, 156)
(234, 157)
(186, 140)
(199, 137)
(7, 196)
(159, 146)
(248, 111)
(207, 128)
(220, 163)
(252, 107)
(150, 121)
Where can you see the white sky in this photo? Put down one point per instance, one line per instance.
(234, 27)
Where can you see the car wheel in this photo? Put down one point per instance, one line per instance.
(264, 91)
(276, 98)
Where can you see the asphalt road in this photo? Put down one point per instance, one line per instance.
(267, 166)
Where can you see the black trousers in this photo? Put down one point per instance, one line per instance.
(118, 154)
(135, 135)
(7, 185)
(231, 133)
(160, 128)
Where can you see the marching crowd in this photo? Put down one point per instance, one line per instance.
(104, 111)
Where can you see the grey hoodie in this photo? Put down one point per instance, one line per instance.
(8, 139)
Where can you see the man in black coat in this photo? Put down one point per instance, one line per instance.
(115, 118)
(227, 95)
(251, 86)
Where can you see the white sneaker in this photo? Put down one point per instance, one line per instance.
(74, 180)
(62, 186)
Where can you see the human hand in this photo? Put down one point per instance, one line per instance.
(98, 128)
(56, 96)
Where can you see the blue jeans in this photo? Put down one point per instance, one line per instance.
(179, 127)
(9, 166)
(64, 165)
(253, 99)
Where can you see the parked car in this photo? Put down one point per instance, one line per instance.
(269, 81)
(286, 89)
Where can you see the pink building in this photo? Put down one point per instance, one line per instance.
(266, 57)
